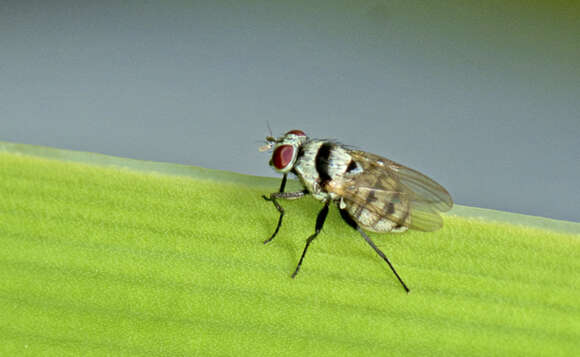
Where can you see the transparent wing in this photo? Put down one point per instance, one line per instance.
(395, 192)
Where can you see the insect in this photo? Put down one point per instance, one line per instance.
(371, 192)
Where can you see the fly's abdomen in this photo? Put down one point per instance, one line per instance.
(371, 221)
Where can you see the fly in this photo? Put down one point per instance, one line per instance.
(371, 192)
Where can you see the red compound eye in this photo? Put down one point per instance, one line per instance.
(296, 132)
(282, 156)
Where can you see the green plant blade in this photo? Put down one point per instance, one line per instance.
(158, 259)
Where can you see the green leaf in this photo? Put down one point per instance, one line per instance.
(109, 256)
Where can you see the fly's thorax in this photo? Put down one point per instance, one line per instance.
(286, 149)
(319, 163)
(305, 169)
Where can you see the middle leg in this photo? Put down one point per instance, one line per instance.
(319, 223)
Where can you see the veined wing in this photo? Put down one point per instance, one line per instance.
(393, 191)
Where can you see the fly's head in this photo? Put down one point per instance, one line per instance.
(285, 150)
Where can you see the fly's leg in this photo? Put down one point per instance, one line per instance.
(348, 219)
(283, 195)
(319, 223)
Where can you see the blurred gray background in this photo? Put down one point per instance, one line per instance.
(482, 96)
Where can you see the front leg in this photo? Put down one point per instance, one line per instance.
(284, 195)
